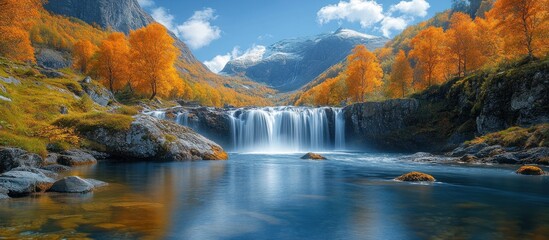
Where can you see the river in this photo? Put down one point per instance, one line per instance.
(280, 196)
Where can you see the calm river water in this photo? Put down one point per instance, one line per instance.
(258, 196)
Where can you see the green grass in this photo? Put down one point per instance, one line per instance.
(85, 123)
(31, 144)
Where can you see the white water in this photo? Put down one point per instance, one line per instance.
(286, 129)
(280, 129)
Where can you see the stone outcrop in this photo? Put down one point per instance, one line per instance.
(445, 116)
(149, 138)
(21, 183)
(370, 122)
(75, 184)
(75, 157)
(11, 158)
(97, 93)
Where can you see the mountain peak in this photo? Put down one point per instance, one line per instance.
(119, 15)
(349, 33)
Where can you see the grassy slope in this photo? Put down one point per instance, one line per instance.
(27, 121)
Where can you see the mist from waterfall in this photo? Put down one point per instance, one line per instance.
(287, 129)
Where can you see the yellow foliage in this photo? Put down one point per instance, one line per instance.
(153, 56)
(82, 53)
(112, 63)
(401, 76)
(364, 73)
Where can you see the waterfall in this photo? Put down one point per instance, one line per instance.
(276, 129)
(286, 129)
(339, 129)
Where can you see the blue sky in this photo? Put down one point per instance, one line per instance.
(219, 30)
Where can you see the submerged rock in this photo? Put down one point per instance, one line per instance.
(11, 158)
(530, 170)
(313, 156)
(416, 177)
(21, 183)
(75, 184)
(75, 157)
(150, 138)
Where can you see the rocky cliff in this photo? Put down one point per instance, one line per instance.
(442, 117)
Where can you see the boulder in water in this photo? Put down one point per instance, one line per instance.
(75, 157)
(56, 168)
(313, 156)
(3, 193)
(530, 170)
(74, 184)
(21, 183)
(416, 177)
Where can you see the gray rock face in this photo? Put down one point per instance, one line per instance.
(290, 64)
(11, 158)
(121, 15)
(54, 59)
(454, 112)
(154, 139)
(97, 93)
(21, 183)
(56, 168)
(367, 122)
(212, 123)
(75, 184)
(522, 100)
(75, 157)
(10, 80)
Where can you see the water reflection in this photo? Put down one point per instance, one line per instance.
(282, 197)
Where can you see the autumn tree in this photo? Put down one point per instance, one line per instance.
(364, 73)
(428, 52)
(82, 53)
(401, 76)
(463, 44)
(113, 65)
(523, 25)
(153, 55)
(16, 18)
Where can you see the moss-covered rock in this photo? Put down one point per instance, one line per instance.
(530, 170)
(313, 156)
(416, 177)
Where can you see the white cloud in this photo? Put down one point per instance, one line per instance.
(365, 12)
(218, 62)
(251, 55)
(162, 16)
(390, 23)
(416, 8)
(197, 31)
(369, 13)
(146, 3)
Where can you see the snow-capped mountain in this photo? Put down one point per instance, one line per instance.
(289, 64)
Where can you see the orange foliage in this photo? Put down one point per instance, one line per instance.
(16, 17)
(82, 54)
(113, 65)
(428, 51)
(15, 44)
(153, 56)
(463, 44)
(523, 25)
(401, 76)
(364, 73)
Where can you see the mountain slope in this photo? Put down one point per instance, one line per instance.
(205, 86)
(121, 15)
(290, 64)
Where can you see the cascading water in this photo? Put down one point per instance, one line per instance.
(287, 129)
(278, 129)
